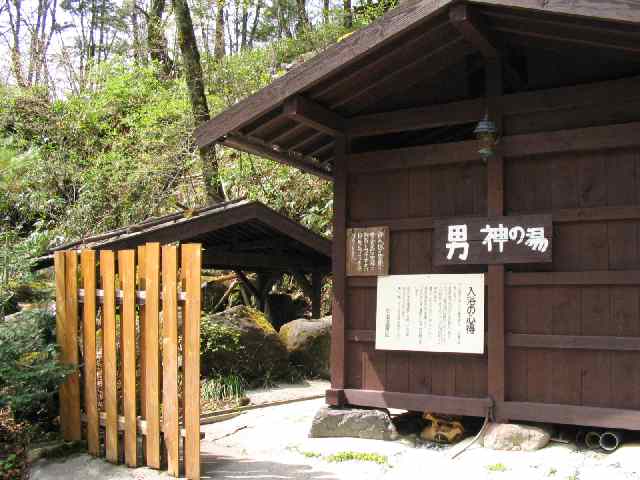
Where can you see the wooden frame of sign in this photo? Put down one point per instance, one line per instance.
(521, 246)
(367, 251)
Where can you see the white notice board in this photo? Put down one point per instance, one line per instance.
(431, 313)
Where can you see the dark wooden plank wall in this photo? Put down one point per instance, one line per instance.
(540, 184)
(412, 193)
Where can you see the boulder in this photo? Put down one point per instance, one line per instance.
(359, 423)
(309, 344)
(512, 436)
(240, 340)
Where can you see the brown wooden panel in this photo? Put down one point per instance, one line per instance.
(142, 342)
(88, 266)
(368, 251)
(152, 367)
(170, 411)
(191, 262)
(70, 390)
(126, 271)
(566, 375)
(110, 381)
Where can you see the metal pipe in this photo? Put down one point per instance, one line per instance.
(611, 440)
(592, 440)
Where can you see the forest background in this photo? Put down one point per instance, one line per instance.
(99, 99)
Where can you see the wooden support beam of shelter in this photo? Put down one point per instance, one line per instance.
(313, 115)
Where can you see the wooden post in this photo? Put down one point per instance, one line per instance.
(88, 265)
(191, 263)
(109, 377)
(126, 269)
(170, 356)
(495, 275)
(334, 396)
(152, 393)
(67, 337)
(316, 297)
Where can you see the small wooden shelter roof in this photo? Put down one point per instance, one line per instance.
(236, 235)
(379, 69)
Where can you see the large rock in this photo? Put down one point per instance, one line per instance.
(240, 340)
(512, 436)
(358, 423)
(309, 344)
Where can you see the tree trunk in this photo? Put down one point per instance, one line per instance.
(156, 41)
(303, 19)
(325, 11)
(254, 27)
(218, 48)
(195, 85)
(348, 17)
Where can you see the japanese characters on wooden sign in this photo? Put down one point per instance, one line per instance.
(495, 240)
(368, 251)
(431, 313)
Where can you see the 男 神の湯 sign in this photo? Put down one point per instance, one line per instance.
(368, 251)
(494, 240)
(431, 313)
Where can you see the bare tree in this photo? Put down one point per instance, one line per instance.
(156, 40)
(218, 49)
(302, 22)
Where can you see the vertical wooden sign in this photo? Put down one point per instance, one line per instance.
(368, 251)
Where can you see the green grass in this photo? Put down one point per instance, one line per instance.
(223, 387)
(360, 456)
(497, 467)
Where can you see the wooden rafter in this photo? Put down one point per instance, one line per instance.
(473, 29)
(314, 116)
(255, 148)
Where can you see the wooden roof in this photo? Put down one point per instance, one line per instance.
(296, 119)
(243, 235)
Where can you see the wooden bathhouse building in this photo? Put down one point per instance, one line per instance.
(453, 123)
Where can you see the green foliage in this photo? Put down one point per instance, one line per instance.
(497, 467)
(29, 368)
(216, 338)
(359, 456)
(223, 387)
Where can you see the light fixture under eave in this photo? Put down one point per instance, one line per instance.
(486, 133)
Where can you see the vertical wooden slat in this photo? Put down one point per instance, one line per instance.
(495, 275)
(191, 261)
(126, 269)
(152, 300)
(142, 344)
(61, 316)
(68, 341)
(339, 266)
(170, 410)
(107, 273)
(88, 266)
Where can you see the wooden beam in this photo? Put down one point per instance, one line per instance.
(347, 52)
(604, 277)
(316, 294)
(313, 115)
(570, 414)
(302, 163)
(575, 140)
(257, 261)
(469, 111)
(339, 265)
(416, 402)
(288, 133)
(573, 342)
(473, 29)
(627, 11)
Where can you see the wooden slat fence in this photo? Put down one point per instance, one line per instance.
(131, 321)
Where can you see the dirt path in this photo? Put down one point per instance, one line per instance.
(273, 443)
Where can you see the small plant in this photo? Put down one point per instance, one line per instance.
(552, 472)
(497, 467)
(223, 387)
(360, 456)
(574, 476)
(310, 454)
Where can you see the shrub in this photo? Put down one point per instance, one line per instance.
(29, 368)
(223, 387)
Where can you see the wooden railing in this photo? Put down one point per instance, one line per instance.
(122, 314)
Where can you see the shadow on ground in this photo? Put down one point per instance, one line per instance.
(221, 467)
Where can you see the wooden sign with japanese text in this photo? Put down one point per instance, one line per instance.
(368, 251)
(493, 240)
(431, 313)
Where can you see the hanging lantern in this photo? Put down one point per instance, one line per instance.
(487, 135)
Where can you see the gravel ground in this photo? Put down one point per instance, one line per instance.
(272, 443)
